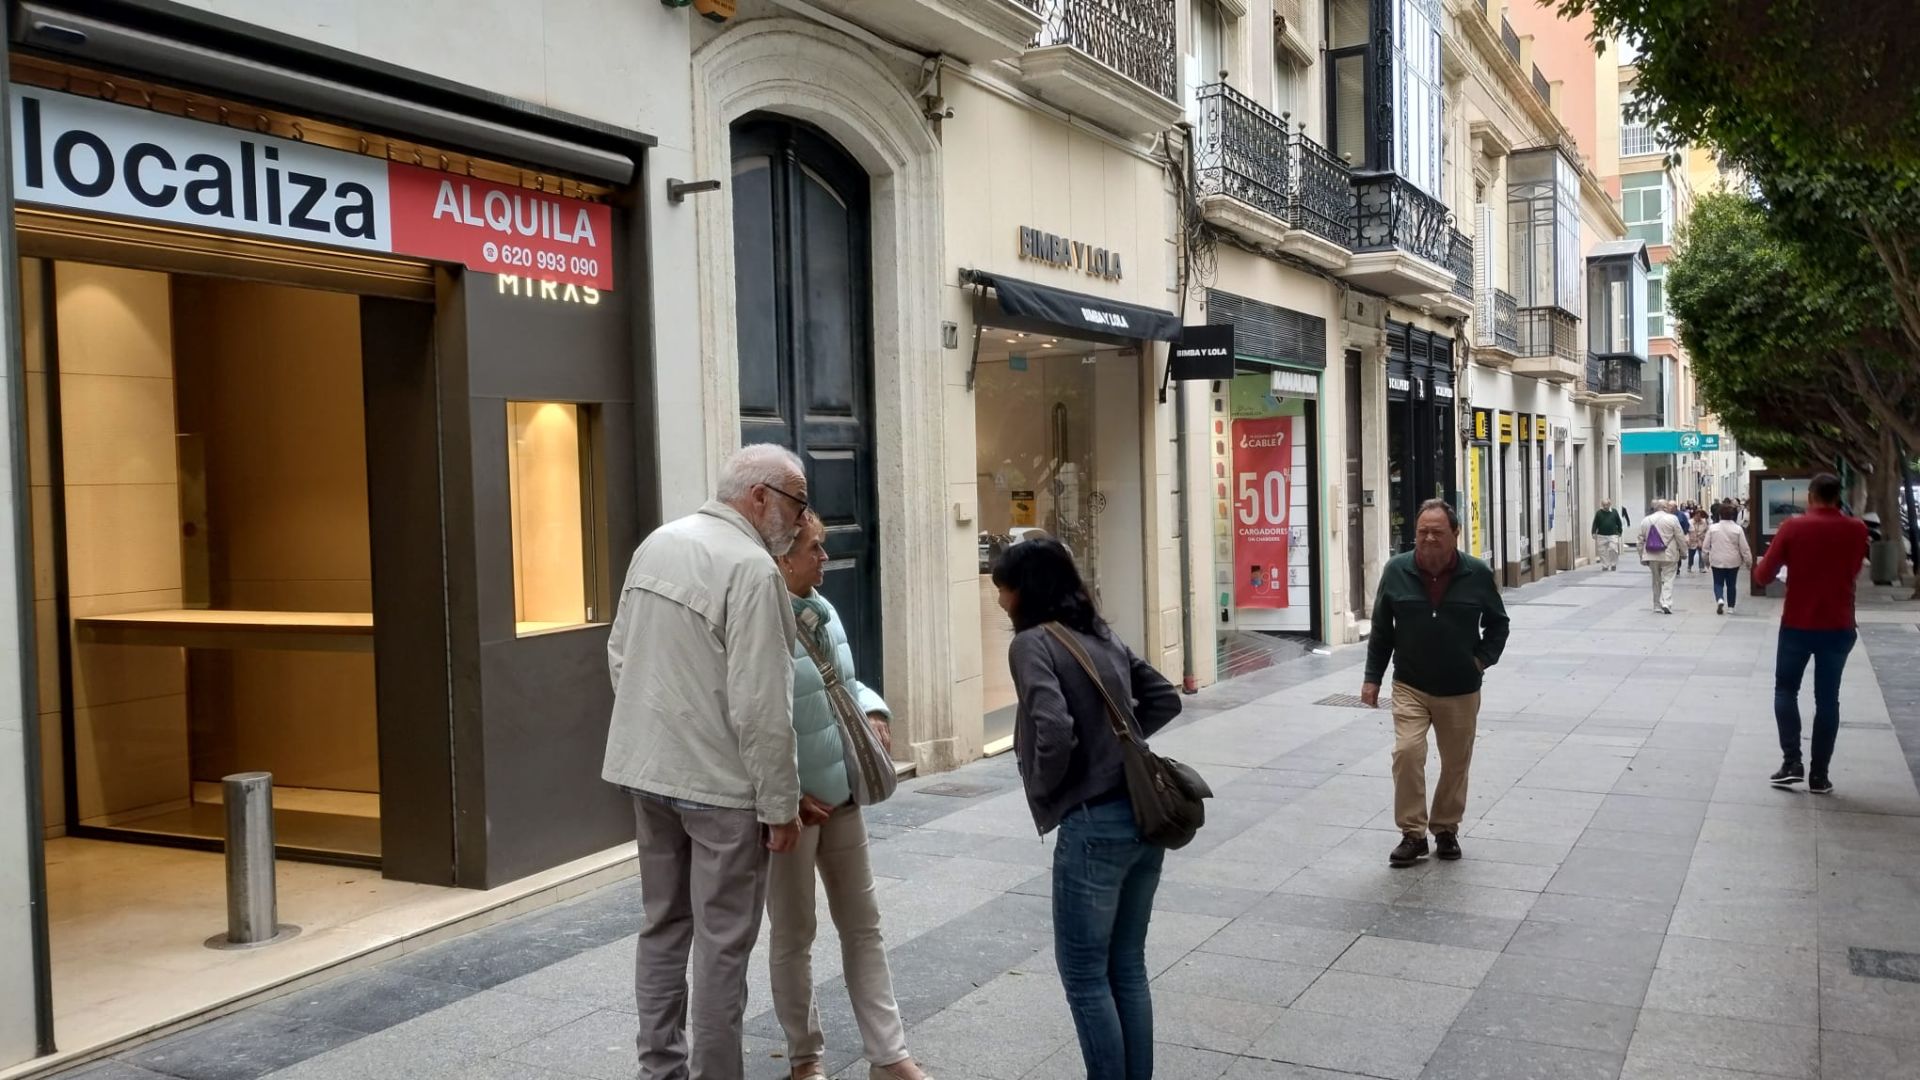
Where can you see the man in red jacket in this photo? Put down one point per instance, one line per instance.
(1821, 550)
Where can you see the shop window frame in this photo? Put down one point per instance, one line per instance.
(595, 553)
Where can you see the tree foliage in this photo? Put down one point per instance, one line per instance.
(1795, 346)
(1817, 101)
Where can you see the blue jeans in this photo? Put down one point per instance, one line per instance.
(1828, 650)
(1726, 584)
(1104, 877)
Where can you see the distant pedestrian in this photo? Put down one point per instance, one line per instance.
(1104, 873)
(1697, 527)
(702, 738)
(1440, 620)
(1822, 551)
(833, 840)
(1607, 528)
(1727, 551)
(1661, 542)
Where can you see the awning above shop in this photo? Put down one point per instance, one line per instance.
(1025, 305)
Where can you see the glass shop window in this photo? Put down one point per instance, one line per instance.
(551, 506)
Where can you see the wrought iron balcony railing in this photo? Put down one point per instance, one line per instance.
(1460, 258)
(1613, 373)
(1133, 37)
(1322, 201)
(1496, 321)
(1243, 151)
(1549, 331)
(1390, 213)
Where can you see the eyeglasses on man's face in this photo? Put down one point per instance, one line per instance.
(797, 500)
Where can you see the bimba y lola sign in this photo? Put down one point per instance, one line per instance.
(82, 154)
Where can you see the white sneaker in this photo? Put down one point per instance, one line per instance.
(1723, 607)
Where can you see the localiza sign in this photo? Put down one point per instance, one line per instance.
(83, 154)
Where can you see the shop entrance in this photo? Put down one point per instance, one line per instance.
(206, 581)
(801, 288)
(1056, 421)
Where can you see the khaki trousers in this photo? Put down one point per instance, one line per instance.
(703, 883)
(1664, 575)
(1609, 550)
(835, 851)
(1453, 720)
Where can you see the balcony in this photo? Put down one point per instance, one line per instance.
(1614, 379)
(1321, 208)
(977, 31)
(1541, 86)
(1496, 327)
(1111, 61)
(1458, 301)
(1242, 164)
(1403, 238)
(1509, 39)
(1549, 345)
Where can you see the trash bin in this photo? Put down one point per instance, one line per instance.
(1883, 559)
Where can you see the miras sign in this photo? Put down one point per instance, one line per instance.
(83, 154)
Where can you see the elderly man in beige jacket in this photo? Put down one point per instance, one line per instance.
(702, 738)
(1663, 543)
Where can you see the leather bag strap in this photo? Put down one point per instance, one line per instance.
(1115, 716)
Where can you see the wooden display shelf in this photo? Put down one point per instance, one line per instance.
(304, 631)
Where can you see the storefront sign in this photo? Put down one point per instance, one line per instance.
(1667, 442)
(1263, 472)
(1056, 250)
(1540, 429)
(95, 156)
(1203, 352)
(1525, 424)
(1506, 429)
(1022, 510)
(1483, 426)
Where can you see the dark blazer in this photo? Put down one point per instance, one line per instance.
(1062, 738)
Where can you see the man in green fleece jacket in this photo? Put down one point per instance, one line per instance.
(1607, 529)
(1440, 619)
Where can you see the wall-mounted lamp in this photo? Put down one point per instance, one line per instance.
(678, 190)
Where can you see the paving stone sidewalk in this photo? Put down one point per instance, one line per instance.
(1635, 902)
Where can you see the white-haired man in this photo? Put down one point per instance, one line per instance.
(702, 738)
(1663, 543)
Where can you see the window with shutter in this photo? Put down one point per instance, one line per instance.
(1483, 273)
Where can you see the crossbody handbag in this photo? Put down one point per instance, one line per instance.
(870, 771)
(1168, 797)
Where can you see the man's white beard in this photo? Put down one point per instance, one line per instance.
(780, 530)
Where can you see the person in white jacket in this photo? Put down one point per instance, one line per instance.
(1663, 543)
(1727, 552)
(702, 738)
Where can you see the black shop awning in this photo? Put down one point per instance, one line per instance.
(1073, 314)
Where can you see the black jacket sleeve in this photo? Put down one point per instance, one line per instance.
(1494, 627)
(1155, 701)
(1380, 638)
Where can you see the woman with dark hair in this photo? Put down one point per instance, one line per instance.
(1104, 873)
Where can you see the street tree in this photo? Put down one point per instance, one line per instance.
(1794, 347)
(1816, 101)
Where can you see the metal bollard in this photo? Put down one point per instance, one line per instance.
(252, 905)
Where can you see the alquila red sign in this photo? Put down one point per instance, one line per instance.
(82, 154)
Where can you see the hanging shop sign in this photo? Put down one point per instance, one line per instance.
(1203, 352)
(83, 154)
(1506, 429)
(1263, 483)
(1540, 429)
(1525, 424)
(1483, 426)
(1056, 250)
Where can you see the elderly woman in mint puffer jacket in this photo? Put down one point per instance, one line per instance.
(833, 844)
